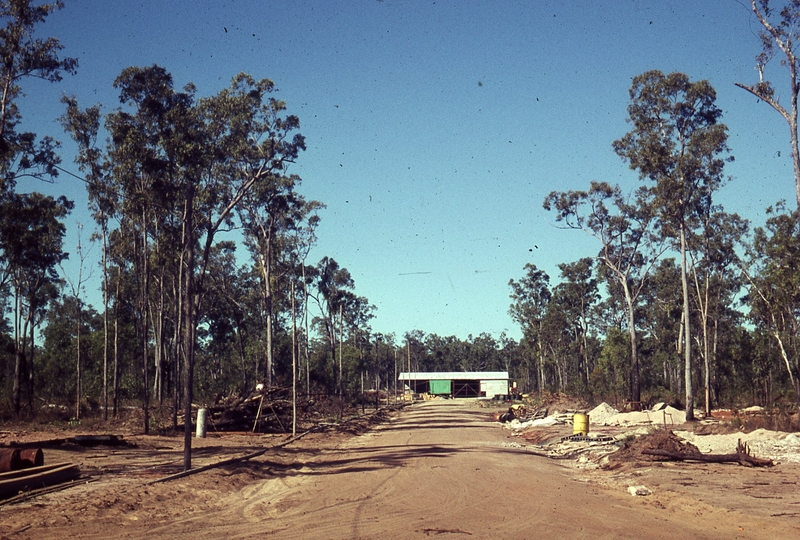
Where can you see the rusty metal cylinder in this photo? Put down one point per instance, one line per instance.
(31, 457)
(9, 460)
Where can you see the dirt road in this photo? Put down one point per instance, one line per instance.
(440, 469)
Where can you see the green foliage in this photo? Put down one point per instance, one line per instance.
(26, 56)
(610, 376)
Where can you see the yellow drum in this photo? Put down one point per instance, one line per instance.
(580, 424)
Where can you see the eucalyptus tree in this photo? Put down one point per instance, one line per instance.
(774, 287)
(678, 144)
(333, 287)
(779, 35)
(559, 345)
(68, 317)
(354, 315)
(511, 356)
(137, 179)
(183, 165)
(629, 246)
(84, 127)
(446, 352)
(232, 312)
(576, 295)
(279, 229)
(22, 154)
(530, 297)
(662, 322)
(249, 140)
(77, 287)
(384, 365)
(149, 152)
(31, 239)
(716, 280)
(25, 56)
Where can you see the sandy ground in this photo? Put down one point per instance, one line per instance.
(436, 469)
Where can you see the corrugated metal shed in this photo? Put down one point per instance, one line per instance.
(453, 375)
(461, 383)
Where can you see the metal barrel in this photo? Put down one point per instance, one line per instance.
(580, 424)
(9, 460)
(31, 457)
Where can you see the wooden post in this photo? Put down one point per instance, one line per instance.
(258, 413)
(202, 415)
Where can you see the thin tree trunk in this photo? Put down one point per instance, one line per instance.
(179, 309)
(18, 356)
(30, 366)
(687, 331)
(341, 346)
(189, 326)
(266, 264)
(105, 321)
(305, 337)
(116, 345)
(294, 365)
(145, 327)
(78, 379)
(635, 379)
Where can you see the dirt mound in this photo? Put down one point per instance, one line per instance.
(561, 402)
(631, 451)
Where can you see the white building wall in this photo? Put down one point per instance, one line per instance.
(492, 388)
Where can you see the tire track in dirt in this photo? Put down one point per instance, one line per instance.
(439, 469)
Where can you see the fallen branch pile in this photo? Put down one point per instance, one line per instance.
(742, 456)
(264, 411)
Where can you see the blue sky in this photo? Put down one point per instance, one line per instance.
(436, 128)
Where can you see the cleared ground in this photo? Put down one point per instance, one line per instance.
(438, 469)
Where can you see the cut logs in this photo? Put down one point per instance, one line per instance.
(11, 483)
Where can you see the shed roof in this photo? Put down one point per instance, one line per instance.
(453, 375)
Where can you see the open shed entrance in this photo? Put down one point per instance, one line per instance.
(466, 389)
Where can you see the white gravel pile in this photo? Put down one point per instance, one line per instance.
(539, 422)
(601, 413)
(669, 415)
(763, 443)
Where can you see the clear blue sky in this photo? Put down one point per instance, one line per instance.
(436, 128)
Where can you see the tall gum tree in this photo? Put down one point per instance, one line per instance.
(679, 145)
(779, 35)
(276, 220)
(24, 57)
(577, 293)
(714, 271)
(774, 287)
(629, 251)
(530, 297)
(22, 154)
(31, 238)
(198, 159)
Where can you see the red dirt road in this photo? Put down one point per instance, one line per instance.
(439, 469)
